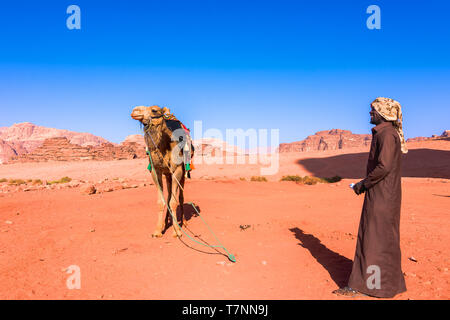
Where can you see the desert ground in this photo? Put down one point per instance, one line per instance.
(291, 241)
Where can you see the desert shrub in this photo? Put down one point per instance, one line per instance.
(62, 180)
(242, 179)
(291, 178)
(311, 180)
(258, 179)
(333, 179)
(37, 181)
(16, 182)
(3, 180)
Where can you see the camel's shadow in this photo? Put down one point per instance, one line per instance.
(188, 211)
(338, 266)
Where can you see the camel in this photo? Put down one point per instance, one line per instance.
(159, 133)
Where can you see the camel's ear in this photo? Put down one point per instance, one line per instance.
(165, 110)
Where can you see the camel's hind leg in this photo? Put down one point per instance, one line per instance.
(181, 202)
(169, 217)
(160, 225)
(173, 203)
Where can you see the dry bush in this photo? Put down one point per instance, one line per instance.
(258, 179)
(16, 182)
(291, 178)
(333, 179)
(310, 180)
(62, 180)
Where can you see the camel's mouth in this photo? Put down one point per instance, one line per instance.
(137, 116)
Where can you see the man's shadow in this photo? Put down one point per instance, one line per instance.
(339, 267)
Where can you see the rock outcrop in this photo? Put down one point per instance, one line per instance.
(6, 151)
(444, 136)
(61, 149)
(25, 137)
(328, 140)
(138, 138)
(212, 147)
(26, 142)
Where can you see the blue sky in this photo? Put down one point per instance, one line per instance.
(299, 66)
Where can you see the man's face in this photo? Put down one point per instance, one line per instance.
(375, 117)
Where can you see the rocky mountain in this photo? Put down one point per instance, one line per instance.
(328, 140)
(215, 147)
(25, 137)
(6, 151)
(26, 142)
(138, 138)
(61, 149)
(445, 135)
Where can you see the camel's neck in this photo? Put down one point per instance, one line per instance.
(154, 137)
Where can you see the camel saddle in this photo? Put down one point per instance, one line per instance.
(173, 123)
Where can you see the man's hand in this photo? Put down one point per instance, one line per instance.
(359, 188)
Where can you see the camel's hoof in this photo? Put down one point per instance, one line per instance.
(177, 235)
(156, 235)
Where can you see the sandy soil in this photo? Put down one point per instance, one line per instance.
(299, 245)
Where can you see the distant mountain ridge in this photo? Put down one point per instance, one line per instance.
(342, 139)
(21, 138)
(328, 140)
(25, 142)
(445, 135)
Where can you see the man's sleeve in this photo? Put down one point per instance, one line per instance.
(386, 146)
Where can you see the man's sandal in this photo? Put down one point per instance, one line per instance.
(348, 292)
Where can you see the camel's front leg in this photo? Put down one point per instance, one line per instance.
(181, 202)
(173, 203)
(160, 225)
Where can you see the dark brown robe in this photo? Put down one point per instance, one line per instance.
(378, 243)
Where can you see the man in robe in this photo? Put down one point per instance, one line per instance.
(376, 267)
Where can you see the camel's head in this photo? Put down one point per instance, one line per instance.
(149, 115)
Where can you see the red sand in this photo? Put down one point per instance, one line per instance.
(299, 246)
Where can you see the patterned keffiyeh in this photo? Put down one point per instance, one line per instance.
(391, 110)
